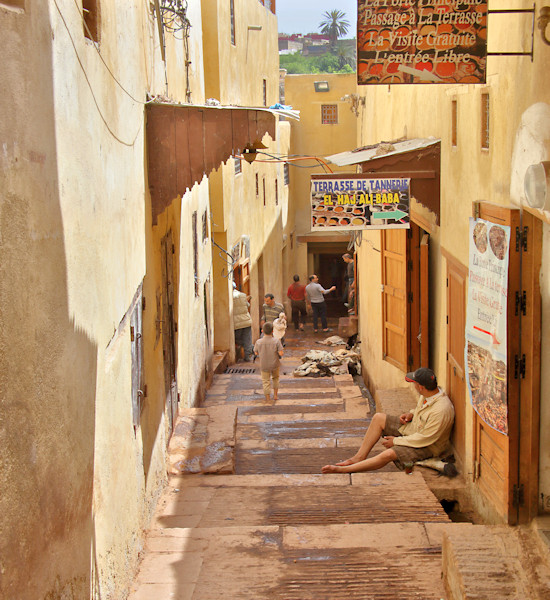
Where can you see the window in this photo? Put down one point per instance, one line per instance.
(90, 12)
(232, 13)
(286, 173)
(195, 252)
(238, 166)
(204, 226)
(485, 120)
(264, 189)
(329, 114)
(257, 185)
(454, 122)
(136, 350)
(276, 192)
(265, 91)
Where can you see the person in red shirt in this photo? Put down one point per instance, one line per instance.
(297, 294)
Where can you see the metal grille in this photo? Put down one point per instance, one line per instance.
(240, 370)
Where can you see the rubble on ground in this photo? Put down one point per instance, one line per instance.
(322, 363)
(333, 340)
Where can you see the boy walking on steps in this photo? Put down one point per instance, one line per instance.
(270, 351)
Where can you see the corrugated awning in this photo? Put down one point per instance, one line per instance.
(382, 149)
(186, 142)
(417, 159)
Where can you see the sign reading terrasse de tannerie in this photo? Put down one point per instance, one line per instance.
(421, 41)
(351, 202)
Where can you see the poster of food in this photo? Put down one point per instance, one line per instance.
(486, 318)
(421, 41)
(350, 202)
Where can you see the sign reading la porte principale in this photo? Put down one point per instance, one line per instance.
(421, 41)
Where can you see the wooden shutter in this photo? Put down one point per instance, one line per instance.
(394, 296)
(506, 467)
(405, 297)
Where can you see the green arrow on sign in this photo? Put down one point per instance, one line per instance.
(390, 214)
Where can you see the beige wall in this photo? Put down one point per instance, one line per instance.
(311, 138)
(519, 135)
(79, 484)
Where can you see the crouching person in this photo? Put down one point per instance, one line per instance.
(410, 437)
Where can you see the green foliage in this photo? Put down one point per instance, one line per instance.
(329, 62)
(334, 25)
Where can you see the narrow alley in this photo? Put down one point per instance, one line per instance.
(247, 513)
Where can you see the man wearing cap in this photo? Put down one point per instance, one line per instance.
(410, 437)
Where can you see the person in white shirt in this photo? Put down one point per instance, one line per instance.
(411, 436)
(315, 294)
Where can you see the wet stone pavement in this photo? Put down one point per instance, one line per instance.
(247, 514)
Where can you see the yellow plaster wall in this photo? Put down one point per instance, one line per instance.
(519, 97)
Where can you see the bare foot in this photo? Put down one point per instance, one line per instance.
(331, 469)
(345, 463)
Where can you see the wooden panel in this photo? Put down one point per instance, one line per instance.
(530, 385)
(424, 301)
(182, 167)
(456, 322)
(508, 478)
(394, 307)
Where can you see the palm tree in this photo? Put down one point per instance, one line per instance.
(334, 25)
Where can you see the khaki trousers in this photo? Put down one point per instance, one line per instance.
(266, 380)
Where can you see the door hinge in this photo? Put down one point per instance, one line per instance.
(519, 366)
(447, 319)
(518, 496)
(477, 470)
(521, 302)
(521, 238)
(411, 358)
(410, 297)
(143, 303)
(409, 265)
(132, 334)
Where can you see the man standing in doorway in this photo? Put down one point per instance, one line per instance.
(316, 293)
(350, 278)
(297, 294)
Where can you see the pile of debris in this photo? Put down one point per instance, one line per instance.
(321, 363)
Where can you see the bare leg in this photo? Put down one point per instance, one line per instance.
(372, 435)
(369, 464)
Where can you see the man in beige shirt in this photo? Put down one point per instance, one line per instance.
(410, 437)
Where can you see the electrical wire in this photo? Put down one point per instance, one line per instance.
(90, 86)
(101, 57)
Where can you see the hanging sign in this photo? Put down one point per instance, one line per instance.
(486, 317)
(349, 202)
(421, 41)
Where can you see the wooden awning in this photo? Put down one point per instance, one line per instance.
(185, 143)
(419, 159)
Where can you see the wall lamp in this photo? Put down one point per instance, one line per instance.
(542, 23)
(537, 185)
(321, 86)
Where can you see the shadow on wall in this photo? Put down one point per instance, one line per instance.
(47, 367)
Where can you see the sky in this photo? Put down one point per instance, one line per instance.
(304, 16)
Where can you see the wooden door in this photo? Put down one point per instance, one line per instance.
(457, 277)
(508, 481)
(169, 333)
(394, 297)
(405, 297)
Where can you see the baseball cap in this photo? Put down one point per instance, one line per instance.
(423, 376)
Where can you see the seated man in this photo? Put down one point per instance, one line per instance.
(410, 437)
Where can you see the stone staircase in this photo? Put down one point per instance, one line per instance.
(247, 514)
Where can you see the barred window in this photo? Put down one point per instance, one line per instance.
(286, 173)
(329, 114)
(238, 167)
